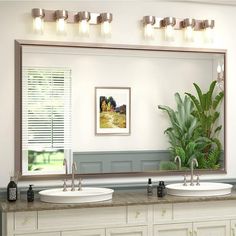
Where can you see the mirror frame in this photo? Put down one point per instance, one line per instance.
(18, 104)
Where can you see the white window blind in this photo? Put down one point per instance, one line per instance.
(46, 116)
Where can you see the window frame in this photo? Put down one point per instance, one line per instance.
(49, 77)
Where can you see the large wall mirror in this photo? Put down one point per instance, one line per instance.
(118, 109)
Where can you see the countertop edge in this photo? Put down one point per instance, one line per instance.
(119, 199)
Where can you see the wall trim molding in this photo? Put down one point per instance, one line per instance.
(99, 162)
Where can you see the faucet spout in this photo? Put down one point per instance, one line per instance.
(194, 161)
(179, 161)
(74, 168)
(66, 167)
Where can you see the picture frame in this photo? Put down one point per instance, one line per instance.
(112, 109)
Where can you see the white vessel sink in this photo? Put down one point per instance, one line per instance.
(87, 194)
(204, 189)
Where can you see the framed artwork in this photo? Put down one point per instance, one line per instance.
(112, 110)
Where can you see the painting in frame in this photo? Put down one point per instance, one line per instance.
(112, 110)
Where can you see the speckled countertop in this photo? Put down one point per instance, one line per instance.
(120, 198)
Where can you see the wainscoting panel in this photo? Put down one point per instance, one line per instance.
(123, 161)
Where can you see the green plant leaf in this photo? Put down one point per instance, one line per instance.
(213, 159)
(168, 165)
(217, 100)
(218, 129)
(190, 148)
(201, 161)
(200, 94)
(168, 130)
(169, 111)
(218, 143)
(209, 95)
(204, 102)
(195, 101)
(215, 116)
(179, 151)
(178, 99)
(195, 113)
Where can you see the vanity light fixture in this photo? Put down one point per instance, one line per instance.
(38, 19)
(105, 20)
(220, 76)
(61, 17)
(188, 26)
(208, 26)
(170, 24)
(84, 18)
(148, 26)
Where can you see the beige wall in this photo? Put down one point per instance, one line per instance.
(16, 24)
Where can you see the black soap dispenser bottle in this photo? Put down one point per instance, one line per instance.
(12, 190)
(30, 194)
(149, 187)
(161, 189)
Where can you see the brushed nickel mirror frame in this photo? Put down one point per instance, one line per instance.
(18, 103)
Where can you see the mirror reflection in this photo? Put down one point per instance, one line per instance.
(115, 110)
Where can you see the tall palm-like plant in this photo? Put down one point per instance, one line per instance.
(206, 109)
(207, 113)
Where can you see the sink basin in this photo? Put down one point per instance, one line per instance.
(204, 189)
(87, 194)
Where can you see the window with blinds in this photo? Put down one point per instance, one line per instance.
(46, 118)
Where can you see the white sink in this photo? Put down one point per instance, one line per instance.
(204, 189)
(85, 195)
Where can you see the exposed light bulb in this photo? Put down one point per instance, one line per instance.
(84, 28)
(38, 24)
(106, 29)
(189, 34)
(218, 69)
(169, 33)
(209, 35)
(38, 19)
(61, 25)
(148, 31)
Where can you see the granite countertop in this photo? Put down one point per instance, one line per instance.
(120, 198)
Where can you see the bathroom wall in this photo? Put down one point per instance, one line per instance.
(148, 76)
(16, 23)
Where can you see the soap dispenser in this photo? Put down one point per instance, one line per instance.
(12, 190)
(30, 194)
(149, 187)
(161, 189)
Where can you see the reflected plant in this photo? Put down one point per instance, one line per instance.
(183, 130)
(193, 131)
(206, 112)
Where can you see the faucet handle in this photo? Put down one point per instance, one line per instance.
(64, 186)
(198, 180)
(80, 184)
(185, 180)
